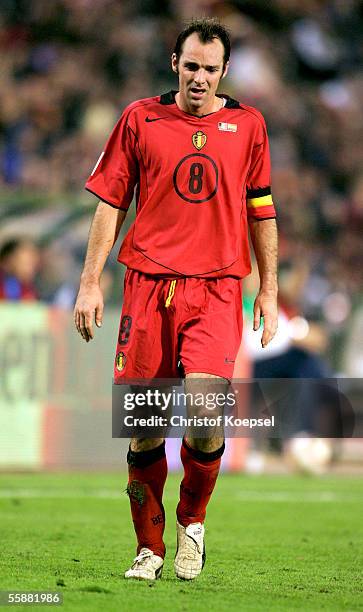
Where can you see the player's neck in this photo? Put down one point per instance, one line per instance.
(215, 105)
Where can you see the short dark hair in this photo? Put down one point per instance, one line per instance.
(207, 30)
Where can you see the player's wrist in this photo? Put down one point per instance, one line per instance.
(89, 281)
(269, 290)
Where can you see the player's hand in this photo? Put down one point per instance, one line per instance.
(265, 307)
(89, 306)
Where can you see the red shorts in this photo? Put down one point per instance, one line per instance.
(170, 328)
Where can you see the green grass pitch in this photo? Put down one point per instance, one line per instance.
(273, 543)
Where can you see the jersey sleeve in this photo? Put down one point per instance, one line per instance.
(115, 175)
(259, 199)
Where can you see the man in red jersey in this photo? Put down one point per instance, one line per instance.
(200, 165)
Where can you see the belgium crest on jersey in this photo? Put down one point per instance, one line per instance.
(120, 361)
(199, 139)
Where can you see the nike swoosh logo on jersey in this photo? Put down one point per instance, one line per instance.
(148, 120)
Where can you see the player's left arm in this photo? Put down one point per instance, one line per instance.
(264, 240)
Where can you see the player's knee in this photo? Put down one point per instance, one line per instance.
(207, 445)
(139, 445)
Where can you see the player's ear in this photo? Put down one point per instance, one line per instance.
(174, 63)
(225, 70)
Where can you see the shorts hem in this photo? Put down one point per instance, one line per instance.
(207, 371)
(145, 380)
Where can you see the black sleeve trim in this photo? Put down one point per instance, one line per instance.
(259, 192)
(105, 201)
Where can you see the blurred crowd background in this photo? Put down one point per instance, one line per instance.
(69, 67)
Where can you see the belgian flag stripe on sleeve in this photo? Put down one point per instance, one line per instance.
(257, 202)
(263, 212)
(259, 192)
(260, 203)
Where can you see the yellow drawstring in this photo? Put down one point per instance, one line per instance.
(170, 293)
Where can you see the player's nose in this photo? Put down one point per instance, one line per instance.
(199, 76)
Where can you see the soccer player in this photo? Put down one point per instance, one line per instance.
(199, 162)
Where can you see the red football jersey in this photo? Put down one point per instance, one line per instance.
(198, 180)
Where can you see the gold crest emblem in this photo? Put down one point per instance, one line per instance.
(199, 139)
(120, 361)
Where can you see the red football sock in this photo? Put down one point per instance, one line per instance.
(147, 475)
(200, 475)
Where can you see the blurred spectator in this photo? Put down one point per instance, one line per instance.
(296, 361)
(19, 260)
(299, 345)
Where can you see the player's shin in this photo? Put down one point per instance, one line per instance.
(200, 474)
(147, 475)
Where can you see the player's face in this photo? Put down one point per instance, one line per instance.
(200, 68)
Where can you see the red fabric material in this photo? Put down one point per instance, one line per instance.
(191, 214)
(202, 327)
(146, 486)
(196, 487)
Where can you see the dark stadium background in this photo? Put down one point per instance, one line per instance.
(276, 539)
(67, 70)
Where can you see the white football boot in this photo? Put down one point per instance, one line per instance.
(146, 566)
(190, 554)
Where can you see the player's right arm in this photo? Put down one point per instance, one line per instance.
(103, 234)
(113, 180)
